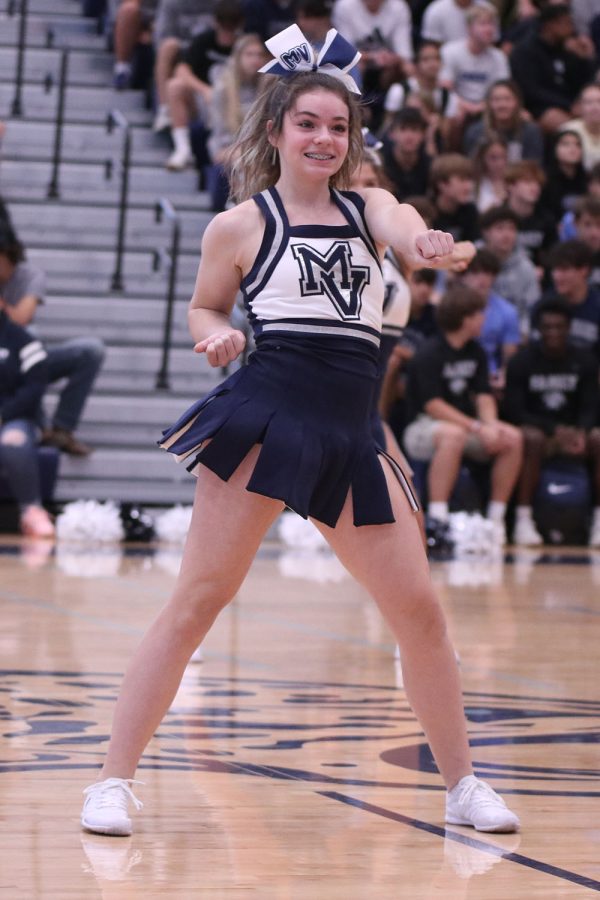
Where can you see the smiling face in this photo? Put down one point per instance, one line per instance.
(313, 141)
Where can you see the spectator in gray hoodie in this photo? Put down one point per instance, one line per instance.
(517, 280)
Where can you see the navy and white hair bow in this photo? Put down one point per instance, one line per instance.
(370, 142)
(294, 53)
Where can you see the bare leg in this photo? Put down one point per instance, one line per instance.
(390, 562)
(449, 442)
(228, 524)
(166, 58)
(533, 456)
(507, 464)
(181, 102)
(128, 26)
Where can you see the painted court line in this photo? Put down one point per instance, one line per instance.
(517, 858)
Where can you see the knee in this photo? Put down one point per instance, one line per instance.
(13, 437)
(92, 350)
(534, 439)
(448, 434)
(200, 599)
(425, 615)
(513, 438)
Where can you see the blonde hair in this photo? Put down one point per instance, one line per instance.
(252, 161)
(232, 79)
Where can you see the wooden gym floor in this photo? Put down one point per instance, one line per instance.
(290, 765)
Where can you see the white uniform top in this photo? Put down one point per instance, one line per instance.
(396, 305)
(315, 279)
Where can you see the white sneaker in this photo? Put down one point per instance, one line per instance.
(474, 802)
(179, 160)
(594, 538)
(526, 534)
(162, 119)
(105, 807)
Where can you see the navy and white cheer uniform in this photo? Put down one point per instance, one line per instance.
(396, 313)
(314, 298)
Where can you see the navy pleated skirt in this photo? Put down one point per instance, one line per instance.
(307, 402)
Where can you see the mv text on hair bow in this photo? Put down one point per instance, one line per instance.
(294, 53)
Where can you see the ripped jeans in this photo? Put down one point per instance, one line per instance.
(19, 460)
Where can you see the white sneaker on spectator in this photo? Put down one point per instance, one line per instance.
(162, 119)
(473, 802)
(179, 160)
(594, 538)
(526, 534)
(105, 806)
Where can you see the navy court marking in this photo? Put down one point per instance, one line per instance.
(518, 858)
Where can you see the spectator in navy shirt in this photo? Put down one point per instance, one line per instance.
(452, 183)
(552, 394)
(570, 265)
(23, 379)
(405, 161)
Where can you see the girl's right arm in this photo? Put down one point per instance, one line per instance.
(217, 283)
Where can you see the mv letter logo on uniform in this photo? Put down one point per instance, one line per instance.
(334, 275)
(295, 55)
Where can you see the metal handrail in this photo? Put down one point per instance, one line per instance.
(116, 118)
(16, 107)
(53, 185)
(165, 207)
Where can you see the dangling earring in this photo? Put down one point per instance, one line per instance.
(274, 156)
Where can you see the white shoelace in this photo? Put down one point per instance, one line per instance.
(114, 792)
(479, 793)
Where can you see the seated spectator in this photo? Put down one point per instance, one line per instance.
(405, 161)
(23, 379)
(78, 361)
(500, 333)
(236, 86)
(445, 20)
(570, 265)
(420, 326)
(549, 74)
(536, 226)
(424, 83)
(382, 31)
(452, 184)
(586, 222)
(177, 23)
(490, 160)
(313, 17)
(134, 54)
(268, 17)
(552, 395)
(566, 178)
(189, 91)
(503, 117)
(469, 67)
(587, 125)
(452, 412)
(517, 280)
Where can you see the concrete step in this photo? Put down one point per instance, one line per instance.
(115, 320)
(145, 476)
(87, 182)
(69, 30)
(84, 104)
(86, 271)
(55, 224)
(85, 67)
(81, 142)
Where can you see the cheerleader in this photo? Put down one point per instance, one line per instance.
(293, 427)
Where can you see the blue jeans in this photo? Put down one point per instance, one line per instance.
(19, 460)
(79, 361)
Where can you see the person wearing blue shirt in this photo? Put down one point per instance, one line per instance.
(500, 333)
